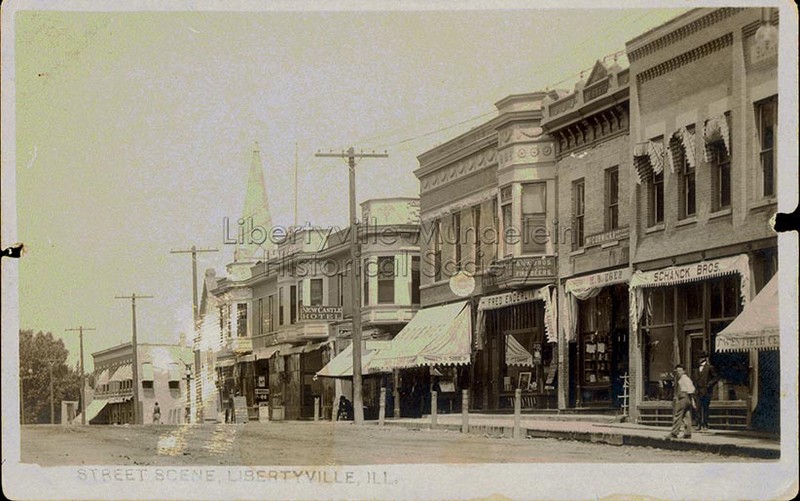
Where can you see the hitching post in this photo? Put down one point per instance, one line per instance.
(316, 408)
(464, 411)
(434, 410)
(517, 412)
(382, 410)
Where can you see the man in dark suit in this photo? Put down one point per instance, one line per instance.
(705, 379)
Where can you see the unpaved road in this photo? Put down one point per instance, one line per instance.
(312, 444)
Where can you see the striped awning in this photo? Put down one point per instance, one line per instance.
(682, 142)
(440, 335)
(516, 354)
(648, 159)
(270, 351)
(102, 378)
(123, 373)
(342, 364)
(93, 410)
(174, 372)
(147, 372)
(716, 129)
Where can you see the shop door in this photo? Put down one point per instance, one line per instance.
(695, 345)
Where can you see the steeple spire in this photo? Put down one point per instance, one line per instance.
(255, 213)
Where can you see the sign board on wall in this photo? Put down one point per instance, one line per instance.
(320, 313)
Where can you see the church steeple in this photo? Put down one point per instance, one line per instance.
(255, 213)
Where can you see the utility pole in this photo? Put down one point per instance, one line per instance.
(295, 184)
(83, 373)
(133, 297)
(194, 251)
(195, 305)
(355, 283)
(52, 402)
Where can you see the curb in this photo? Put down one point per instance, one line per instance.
(617, 439)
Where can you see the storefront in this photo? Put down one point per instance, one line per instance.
(293, 384)
(596, 328)
(676, 314)
(515, 342)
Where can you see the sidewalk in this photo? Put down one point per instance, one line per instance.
(601, 429)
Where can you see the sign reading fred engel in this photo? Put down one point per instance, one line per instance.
(324, 313)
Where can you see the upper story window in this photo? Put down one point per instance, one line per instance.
(241, 319)
(365, 273)
(612, 199)
(271, 313)
(222, 323)
(437, 250)
(293, 304)
(316, 292)
(655, 199)
(721, 171)
(280, 306)
(767, 123)
(386, 275)
(534, 218)
(457, 240)
(496, 226)
(505, 210)
(687, 177)
(260, 320)
(578, 213)
(477, 254)
(415, 280)
(300, 298)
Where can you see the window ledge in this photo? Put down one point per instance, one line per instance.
(578, 252)
(653, 229)
(764, 202)
(720, 213)
(687, 221)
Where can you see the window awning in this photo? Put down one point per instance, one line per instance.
(270, 351)
(682, 142)
(435, 336)
(716, 129)
(757, 327)
(94, 408)
(516, 354)
(225, 362)
(124, 372)
(342, 364)
(102, 378)
(648, 158)
(303, 349)
(174, 372)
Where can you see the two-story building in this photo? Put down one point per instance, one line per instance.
(704, 101)
(283, 320)
(488, 208)
(165, 376)
(590, 128)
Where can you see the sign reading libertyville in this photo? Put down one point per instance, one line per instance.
(323, 313)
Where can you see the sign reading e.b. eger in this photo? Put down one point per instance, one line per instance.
(323, 313)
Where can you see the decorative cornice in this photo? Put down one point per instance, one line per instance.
(685, 58)
(683, 32)
(750, 29)
(456, 170)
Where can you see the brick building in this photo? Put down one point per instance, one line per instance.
(590, 127)
(703, 122)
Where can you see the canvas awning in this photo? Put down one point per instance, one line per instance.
(435, 336)
(102, 378)
(270, 351)
(94, 408)
(174, 372)
(757, 327)
(123, 373)
(147, 371)
(342, 364)
(303, 349)
(225, 362)
(516, 354)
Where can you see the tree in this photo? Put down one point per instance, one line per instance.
(36, 352)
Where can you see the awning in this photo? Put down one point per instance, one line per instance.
(682, 142)
(118, 400)
(757, 327)
(342, 364)
(94, 408)
(435, 336)
(648, 158)
(225, 362)
(516, 354)
(513, 298)
(247, 358)
(123, 373)
(583, 288)
(102, 378)
(716, 129)
(268, 352)
(304, 349)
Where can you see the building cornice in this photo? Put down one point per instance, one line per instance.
(685, 58)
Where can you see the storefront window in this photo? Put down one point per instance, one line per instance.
(692, 295)
(725, 297)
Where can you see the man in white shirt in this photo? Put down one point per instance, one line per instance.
(682, 403)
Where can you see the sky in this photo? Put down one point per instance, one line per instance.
(135, 130)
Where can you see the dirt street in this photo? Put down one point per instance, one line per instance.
(312, 444)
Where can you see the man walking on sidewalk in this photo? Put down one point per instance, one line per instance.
(706, 380)
(683, 402)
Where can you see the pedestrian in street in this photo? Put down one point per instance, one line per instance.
(156, 414)
(683, 402)
(706, 379)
